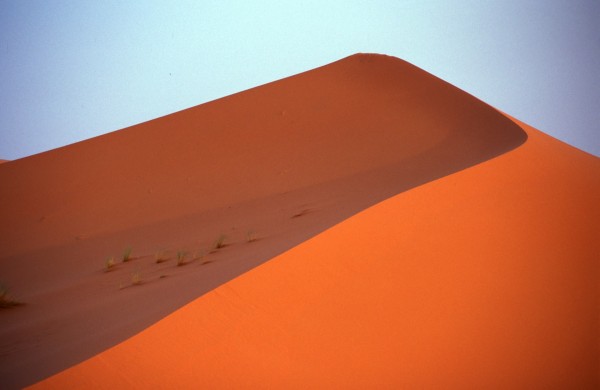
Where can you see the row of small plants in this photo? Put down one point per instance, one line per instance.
(163, 256)
(7, 301)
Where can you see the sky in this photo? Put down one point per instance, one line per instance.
(72, 70)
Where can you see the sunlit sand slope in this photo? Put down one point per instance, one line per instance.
(487, 278)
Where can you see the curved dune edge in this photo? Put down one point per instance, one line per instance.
(487, 278)
(362, 113)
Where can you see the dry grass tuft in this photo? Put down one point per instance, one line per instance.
(251, 236)
(161, 257)
(219, 242)
(136, 278)
(181, 255)
(5, 300)
(200, 255)
(127, 255)
(110, 264)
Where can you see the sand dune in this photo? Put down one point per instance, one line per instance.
(487, 278)
(286, 160)
(387, 296)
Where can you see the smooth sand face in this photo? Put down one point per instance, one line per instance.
(286, 160)
(487, 278)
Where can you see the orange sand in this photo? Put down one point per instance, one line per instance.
(487, 278)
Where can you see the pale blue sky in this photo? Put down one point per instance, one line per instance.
(71, 70)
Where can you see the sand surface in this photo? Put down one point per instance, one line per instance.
(487, 278)
(484, 273)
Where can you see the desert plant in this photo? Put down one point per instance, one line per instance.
(250, 236)
(201, 254)
(181, 258)
(5, 299)
(219, 242)
(136, 277)
(109, 264)
(161, 257)
(127, 255)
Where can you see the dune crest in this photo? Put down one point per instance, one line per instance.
(286, 160)
(358, 114)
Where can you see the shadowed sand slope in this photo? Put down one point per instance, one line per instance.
(281, 162)
(487, 278)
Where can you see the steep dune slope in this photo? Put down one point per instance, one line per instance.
(286, 160)
(487, 278)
